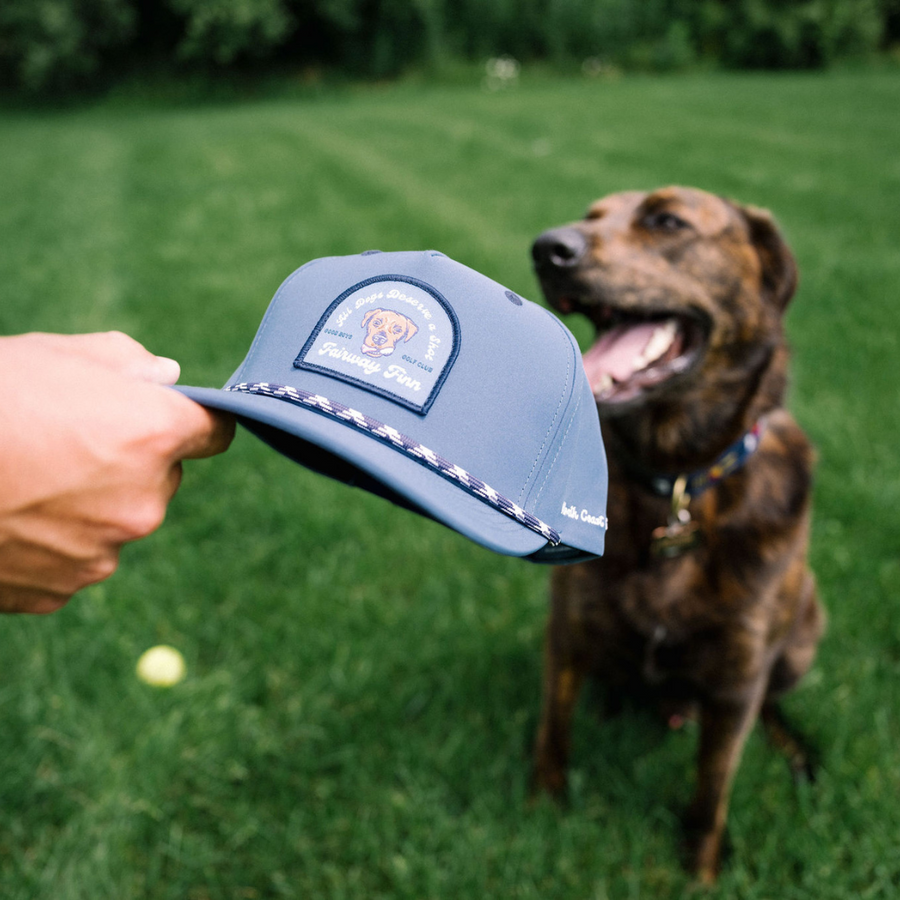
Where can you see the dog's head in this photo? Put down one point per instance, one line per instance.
(680, 285)
(384, 329)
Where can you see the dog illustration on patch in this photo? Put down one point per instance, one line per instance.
(384, 329)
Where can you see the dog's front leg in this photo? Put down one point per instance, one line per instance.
(724, 726)
(562, 684)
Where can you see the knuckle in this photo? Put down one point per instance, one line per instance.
(123, 347)
(118, 338)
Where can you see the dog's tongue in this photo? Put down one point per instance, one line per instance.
(618, 354)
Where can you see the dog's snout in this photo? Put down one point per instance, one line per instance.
(560, 247)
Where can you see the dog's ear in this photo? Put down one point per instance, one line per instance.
(368, 316)
(411, 329)
(779, 269)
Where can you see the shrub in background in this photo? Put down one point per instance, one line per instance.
(643, 33)
(811, 34)
(223, 31)
(51, 43)
(47, 43)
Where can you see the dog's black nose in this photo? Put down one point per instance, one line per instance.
(559, 247)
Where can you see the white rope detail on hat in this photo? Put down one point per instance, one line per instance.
(417, 451)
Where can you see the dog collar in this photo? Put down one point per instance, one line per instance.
(695, 483)
(683, 534)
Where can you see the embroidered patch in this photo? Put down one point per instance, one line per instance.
(392, 335)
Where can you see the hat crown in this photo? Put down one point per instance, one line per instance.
(450, 361)
(511, 376)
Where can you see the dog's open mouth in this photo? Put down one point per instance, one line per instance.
(635, 352)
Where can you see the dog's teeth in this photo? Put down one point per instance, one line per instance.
(659, 342)
(603, 384)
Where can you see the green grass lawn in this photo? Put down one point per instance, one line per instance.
(362, 684)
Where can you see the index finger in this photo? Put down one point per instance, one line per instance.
(115, 350)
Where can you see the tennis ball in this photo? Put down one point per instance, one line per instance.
(161, 666)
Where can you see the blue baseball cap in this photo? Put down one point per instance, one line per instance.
(421, 380)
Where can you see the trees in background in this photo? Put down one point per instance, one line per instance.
(51, 44)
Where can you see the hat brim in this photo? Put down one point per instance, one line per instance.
(340, 451)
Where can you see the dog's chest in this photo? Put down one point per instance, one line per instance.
(674, 593)
(672, 617)
(670, 594)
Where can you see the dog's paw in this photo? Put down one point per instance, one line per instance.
(704, 850)
(548, 780)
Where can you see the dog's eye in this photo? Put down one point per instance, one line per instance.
(377, 323)
(664, 221)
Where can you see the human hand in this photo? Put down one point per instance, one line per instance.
(91, 444)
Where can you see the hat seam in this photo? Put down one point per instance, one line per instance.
(553, 422)
(558, 451)
(562, 443)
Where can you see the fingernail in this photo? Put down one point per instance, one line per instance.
(167, 371)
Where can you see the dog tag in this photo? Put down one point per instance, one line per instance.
(681, 534)
(670, 541)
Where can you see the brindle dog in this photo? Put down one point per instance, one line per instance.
(716, 609)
